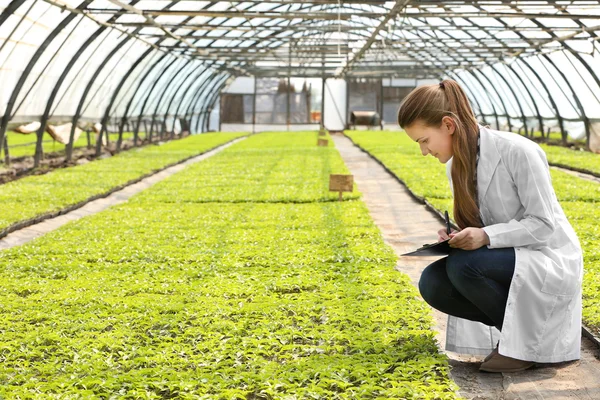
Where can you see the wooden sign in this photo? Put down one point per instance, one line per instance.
(341, 183)
(323, 142)
(322, 132)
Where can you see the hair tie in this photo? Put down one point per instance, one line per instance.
(442, 85)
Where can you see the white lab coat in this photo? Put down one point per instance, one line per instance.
(519, 209)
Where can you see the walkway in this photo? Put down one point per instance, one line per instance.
(407, 224)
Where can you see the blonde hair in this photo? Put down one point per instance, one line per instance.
(429, 104)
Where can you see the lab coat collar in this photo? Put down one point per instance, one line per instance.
(489, 157)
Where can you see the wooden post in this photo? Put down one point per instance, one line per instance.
(288, 113)
(381, 105)
(146, 132)
(323, 82)
(6, 151)
(254, 108)
(322, 142)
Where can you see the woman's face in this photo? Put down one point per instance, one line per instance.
(436, 141)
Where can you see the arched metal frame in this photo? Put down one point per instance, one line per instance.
(500, 97)
(58, 84)
(470, 93)
(10, 9)
(206, 89)
(87, 90)
(290, 23)
(114, 97)
(130, 102)
(202, 99)
(133, 95)
(539, 116)
(210, 104)
(583, 115)
(557, 113)
(25, 74)
(161, 94)
(195, 98)
(485, 90)
(185, 94)
(136, 128)
(475, 95)
(176, 91)
(524, 118)
(196, 90)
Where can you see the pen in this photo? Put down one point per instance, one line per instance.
(447, 223)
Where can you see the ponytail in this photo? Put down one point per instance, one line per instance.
(429, 104)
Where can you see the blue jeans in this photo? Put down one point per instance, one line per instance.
(470, 284)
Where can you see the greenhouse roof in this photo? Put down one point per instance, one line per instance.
(522, 63)
(408, 39)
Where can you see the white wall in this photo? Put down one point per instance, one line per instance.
(213, 119)
(242, 85)
(335, 104)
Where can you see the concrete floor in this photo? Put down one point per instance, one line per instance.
(407, 224)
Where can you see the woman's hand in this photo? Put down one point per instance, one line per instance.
(442, 235)
(469, 239)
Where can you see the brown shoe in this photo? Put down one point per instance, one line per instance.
(492, 354)
(500, 363)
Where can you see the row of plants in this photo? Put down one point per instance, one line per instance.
(273, 292)
(20, 145)
(34, 196)
(274, 171)
(426, 177)
(573, 159)
(555, 138)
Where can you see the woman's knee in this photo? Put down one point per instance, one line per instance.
(462, 264)
(431, 286)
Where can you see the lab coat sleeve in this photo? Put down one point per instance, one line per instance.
(531, 175)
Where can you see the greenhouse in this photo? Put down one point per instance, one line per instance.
(223, 200)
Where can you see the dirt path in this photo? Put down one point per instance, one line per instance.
(406, 224)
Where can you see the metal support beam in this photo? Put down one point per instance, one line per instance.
(400, 4)
(586, 121)
(537, 111)
(523, 117)
(557, 113)
(184, 100)
(32, 62)
(114, 97)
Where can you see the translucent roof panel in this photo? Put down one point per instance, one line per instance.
(519, 60)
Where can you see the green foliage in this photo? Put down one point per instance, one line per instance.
(24, 145)
(36, 195)
(282, 296)
(426, 177)
(270, 167)
(556, 138)
(583, 160)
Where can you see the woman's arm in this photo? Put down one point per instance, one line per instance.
(531, 175)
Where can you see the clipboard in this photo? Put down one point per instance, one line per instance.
(434, 249)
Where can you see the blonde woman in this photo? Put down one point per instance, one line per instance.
(514, 274)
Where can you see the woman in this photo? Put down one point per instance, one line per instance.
(514, 274)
